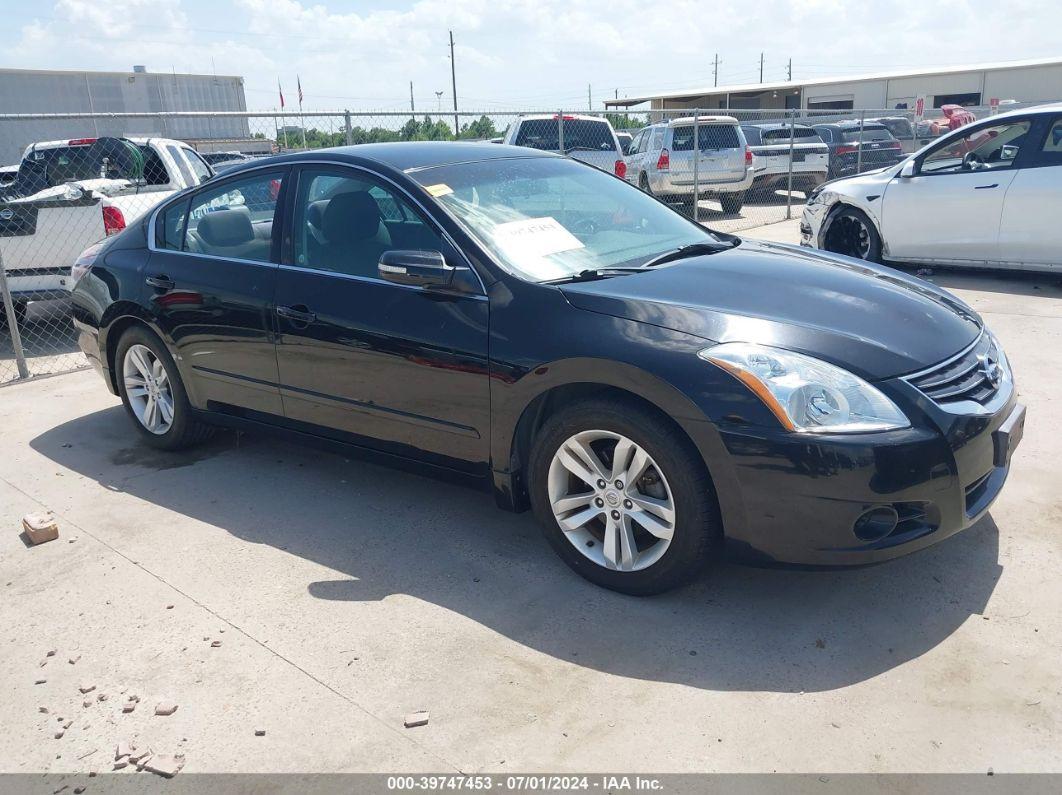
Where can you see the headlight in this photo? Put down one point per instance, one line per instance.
(815, 197)
(805, 394)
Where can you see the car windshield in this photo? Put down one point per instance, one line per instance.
(578, 134)
(547, 218)
(710, 136)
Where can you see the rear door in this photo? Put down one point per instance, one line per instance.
(398, 368)
(1030, 232)
(209, 283)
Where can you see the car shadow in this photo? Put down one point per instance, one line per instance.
(389, 532)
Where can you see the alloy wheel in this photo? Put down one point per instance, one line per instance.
(147, 387)
(611, 500)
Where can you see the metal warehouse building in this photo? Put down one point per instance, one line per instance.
(138, 91)
(978, 84)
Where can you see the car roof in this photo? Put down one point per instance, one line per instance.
(404, 155)
(774, 125)
(567, 117)
(700, 120)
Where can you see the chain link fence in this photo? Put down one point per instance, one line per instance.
(70, 180)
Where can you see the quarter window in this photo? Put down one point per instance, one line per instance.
(345, 222)
(987, 148)
(235, 219)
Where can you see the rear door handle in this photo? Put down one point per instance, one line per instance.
(986, 187)
(161, 282)
(299, 314)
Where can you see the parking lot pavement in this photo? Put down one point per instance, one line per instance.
(346, 595)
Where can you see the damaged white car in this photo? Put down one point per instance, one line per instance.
(984, 195)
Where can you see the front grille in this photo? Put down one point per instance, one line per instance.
(975, 375)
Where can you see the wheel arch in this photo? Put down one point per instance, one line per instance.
(120, 318)
(846, 203)
(513, 439)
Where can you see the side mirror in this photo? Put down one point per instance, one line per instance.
(417, 268)
(908, 170)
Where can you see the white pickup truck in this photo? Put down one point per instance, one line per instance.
(69, 194)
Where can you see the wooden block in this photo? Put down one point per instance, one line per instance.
(40, 527)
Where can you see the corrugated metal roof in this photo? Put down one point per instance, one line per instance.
(825, 81)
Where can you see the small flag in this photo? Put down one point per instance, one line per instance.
(299, 84)
(281, 91)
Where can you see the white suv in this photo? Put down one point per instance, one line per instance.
(589, 139)
(660, 160)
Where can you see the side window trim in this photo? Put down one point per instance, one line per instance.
(1023, 160)
(287, 249)
(189, 196)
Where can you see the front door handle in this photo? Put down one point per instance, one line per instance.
(161, 282)
(986, 187)
(297, 314)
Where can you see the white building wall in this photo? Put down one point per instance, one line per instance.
(1034, 84)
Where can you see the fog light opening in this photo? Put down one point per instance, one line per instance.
(876, 523)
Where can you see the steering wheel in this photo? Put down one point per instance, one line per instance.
(972, 161)
(586, 226)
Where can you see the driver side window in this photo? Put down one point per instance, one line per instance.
(987, 148)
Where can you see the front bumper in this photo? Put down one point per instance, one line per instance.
(811, 221)
(803, 496)
(681, 183)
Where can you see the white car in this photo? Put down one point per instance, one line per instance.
(984, 195)
(69, 194)
(589, 139)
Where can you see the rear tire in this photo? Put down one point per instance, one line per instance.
(732, 202)
(671, 502)
(144, 369)
(21, 307)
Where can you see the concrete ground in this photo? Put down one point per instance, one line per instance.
(346, 595)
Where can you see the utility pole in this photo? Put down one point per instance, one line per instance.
(761, 67)
(589, 99)
(789, 71)
(453, 82)
(715, 71)
(438, 100)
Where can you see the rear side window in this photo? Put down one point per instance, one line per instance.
(712, 136)
(1051, 152)
(804, 135)
(186, 172)
(169, 225)
(235, 219)
(752, 135)
(869, 134)
(579, 134)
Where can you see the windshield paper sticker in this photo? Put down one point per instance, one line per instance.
(534, 238)
(441, 189)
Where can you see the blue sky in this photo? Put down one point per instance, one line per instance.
(516, 54)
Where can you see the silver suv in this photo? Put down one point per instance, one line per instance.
(660, 160)
(590, 139)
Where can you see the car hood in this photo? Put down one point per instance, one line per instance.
(872, 320)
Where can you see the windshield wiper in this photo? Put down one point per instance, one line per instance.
(591, 275)
(692, 250)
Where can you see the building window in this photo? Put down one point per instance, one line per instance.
(966, 100)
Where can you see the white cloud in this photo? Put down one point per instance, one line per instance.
(521, 53)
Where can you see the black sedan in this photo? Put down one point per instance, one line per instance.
(542, 328)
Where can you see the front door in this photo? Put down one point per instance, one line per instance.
(210, 282)
(950, 210)
(399, 368)
(1030, 233)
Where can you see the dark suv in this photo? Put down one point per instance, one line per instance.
(880, 148)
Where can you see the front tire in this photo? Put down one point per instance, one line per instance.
(851, 232)
(153, 393)
(654, 523)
